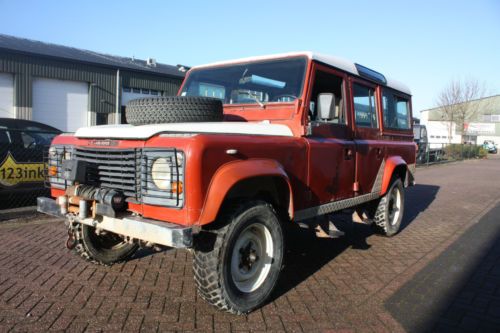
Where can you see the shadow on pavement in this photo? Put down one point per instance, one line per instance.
(417, 199)
(459, 291)
(306, 254)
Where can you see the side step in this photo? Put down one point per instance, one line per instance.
(332, 231)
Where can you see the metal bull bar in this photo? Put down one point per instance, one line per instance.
(128, 225)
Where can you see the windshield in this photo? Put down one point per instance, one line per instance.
(257, 83)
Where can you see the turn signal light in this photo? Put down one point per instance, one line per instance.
(52, 170)
(177, 187)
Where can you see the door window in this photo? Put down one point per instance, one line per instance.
(365, 111)
(330, 84)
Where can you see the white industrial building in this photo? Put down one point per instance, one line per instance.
(484, 125)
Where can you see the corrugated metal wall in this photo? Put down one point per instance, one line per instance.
(139, 80)
(102, 81)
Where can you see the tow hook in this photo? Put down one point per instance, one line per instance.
(71, 242)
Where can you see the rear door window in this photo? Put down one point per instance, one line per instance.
(396, 111)
(365, 110)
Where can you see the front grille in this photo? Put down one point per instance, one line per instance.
(113, 168)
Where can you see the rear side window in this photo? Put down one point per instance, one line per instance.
(396, 111)
(365, 111)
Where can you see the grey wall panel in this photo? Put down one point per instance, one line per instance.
(102, 80)
(139, 80)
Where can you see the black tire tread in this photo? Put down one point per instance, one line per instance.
(173, 109)
(207, 265)
(83, 251)
(380, 222)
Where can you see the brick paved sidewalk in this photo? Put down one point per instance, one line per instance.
(351, 284)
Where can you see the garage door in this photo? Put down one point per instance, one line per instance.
(59, 103)
(6, 96)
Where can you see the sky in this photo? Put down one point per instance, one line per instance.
(424, 44)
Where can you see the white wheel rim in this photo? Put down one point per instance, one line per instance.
(394, 206)
(252, 257)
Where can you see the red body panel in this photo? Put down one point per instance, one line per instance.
(230, 174)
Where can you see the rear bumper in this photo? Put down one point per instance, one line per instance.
(156, 232)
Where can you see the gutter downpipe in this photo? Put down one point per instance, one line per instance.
(117, 103)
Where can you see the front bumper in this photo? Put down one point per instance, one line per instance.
(156, 232)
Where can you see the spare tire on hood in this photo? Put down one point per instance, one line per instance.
(173, 109)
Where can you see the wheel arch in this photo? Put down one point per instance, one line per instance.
(253, 179)
(394, 165)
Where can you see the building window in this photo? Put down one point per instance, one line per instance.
(212, 90)
(142, 91)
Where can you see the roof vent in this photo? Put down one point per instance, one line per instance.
(151, 62)
(370, 74)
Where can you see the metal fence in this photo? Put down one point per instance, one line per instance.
(432, 153)
(22, 167)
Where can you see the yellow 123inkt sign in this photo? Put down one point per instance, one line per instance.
(13, 172)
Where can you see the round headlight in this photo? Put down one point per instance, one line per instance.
(161, 174)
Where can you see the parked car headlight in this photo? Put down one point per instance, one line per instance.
(161, 173)
(52, 151)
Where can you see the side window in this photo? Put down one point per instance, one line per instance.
(29, 140)
(325, 82)
(396, 111)
(365, 111)
(4, 137)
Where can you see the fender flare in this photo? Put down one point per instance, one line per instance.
(390, 165)
(232, 173)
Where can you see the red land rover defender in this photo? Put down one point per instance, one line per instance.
(249, 148)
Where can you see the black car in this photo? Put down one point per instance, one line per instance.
(22, 147)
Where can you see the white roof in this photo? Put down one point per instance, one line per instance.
(337, 62)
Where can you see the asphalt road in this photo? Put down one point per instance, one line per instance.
(440, 273)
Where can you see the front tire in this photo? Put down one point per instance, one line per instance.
(106, 248)
(389, 213)
(240, 271)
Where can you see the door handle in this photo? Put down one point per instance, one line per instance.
(348, 153)
(379, 152)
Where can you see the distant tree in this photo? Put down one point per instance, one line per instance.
(457, 102)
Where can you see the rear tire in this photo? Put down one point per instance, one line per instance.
(240, 271)
(389, 213)
(104, 249)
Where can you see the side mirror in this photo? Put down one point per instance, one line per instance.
(326, 106)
